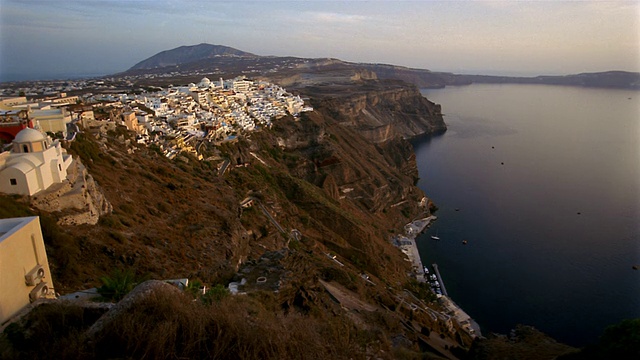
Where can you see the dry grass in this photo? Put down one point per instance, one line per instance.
(170, 326)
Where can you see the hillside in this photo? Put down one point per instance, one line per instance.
(428, 79)
(187, 54)
(343, 195)
(216, 59)
(328, 189)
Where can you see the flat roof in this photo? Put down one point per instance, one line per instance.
(12, 225)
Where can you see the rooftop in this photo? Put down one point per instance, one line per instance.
(10, 226)
(28, 135)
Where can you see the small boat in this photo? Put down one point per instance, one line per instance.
(464, 242)
(435, 237)
(426, 270)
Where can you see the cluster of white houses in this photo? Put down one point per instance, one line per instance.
(179, 117)
(32, 158)
(176, 119)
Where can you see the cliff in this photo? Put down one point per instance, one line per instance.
(328, 190)
(381, 110)
(429, 79)
(77, 200)
(189, 63)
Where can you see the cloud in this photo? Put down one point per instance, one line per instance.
(332, 17)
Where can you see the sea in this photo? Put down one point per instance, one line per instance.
(543, 183)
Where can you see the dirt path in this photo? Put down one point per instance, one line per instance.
(347, 298)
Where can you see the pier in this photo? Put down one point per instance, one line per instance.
(444, 289)
(407, 244)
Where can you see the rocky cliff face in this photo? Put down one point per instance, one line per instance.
(77, 200)
(383, 111)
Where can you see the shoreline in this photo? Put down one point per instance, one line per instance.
(408, 245)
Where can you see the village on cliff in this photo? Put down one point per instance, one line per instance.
(175, 119)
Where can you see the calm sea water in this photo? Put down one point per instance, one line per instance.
(544, 184)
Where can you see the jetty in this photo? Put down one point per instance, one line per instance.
(455, 311)
(444, 289)
(407, 243)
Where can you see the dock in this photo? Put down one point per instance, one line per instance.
(408, 246)
(456, 311)
(444, 289)
(407, 243)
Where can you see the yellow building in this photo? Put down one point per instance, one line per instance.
(8, 104)
(131, 121)
(24, 269)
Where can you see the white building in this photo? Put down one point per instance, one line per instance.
(242, 86)
(34, 163)
(205, 83)
(52, 120)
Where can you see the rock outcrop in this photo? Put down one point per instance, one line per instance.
(138, 295)
(384, 110)
(78, 199)
(523, 342)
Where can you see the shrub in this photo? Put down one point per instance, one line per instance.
(194, 288)
(215, 294)
(54, 328)
(11, 207)
(116, 286)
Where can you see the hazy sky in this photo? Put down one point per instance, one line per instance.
(54, 38)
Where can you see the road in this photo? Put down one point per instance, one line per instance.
(224, 167)
(273, 221)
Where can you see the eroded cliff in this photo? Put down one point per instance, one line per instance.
(324, 198)
(381, 110)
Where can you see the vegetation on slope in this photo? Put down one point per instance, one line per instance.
(181, 218)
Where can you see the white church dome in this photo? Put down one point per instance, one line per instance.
(29, 135)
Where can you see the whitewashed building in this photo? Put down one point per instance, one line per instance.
(34, 163)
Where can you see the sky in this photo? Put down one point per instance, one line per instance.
(59, 38)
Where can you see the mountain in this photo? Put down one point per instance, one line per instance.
(607, 79)
(426, 78)
(187, 54)
(206, 58)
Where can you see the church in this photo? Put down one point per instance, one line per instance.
(34, 163)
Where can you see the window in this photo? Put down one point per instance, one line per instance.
(13, 182)
(25, 148)
(60, 167)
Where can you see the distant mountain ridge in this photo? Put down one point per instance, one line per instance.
(188, 54)
(207, 57)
